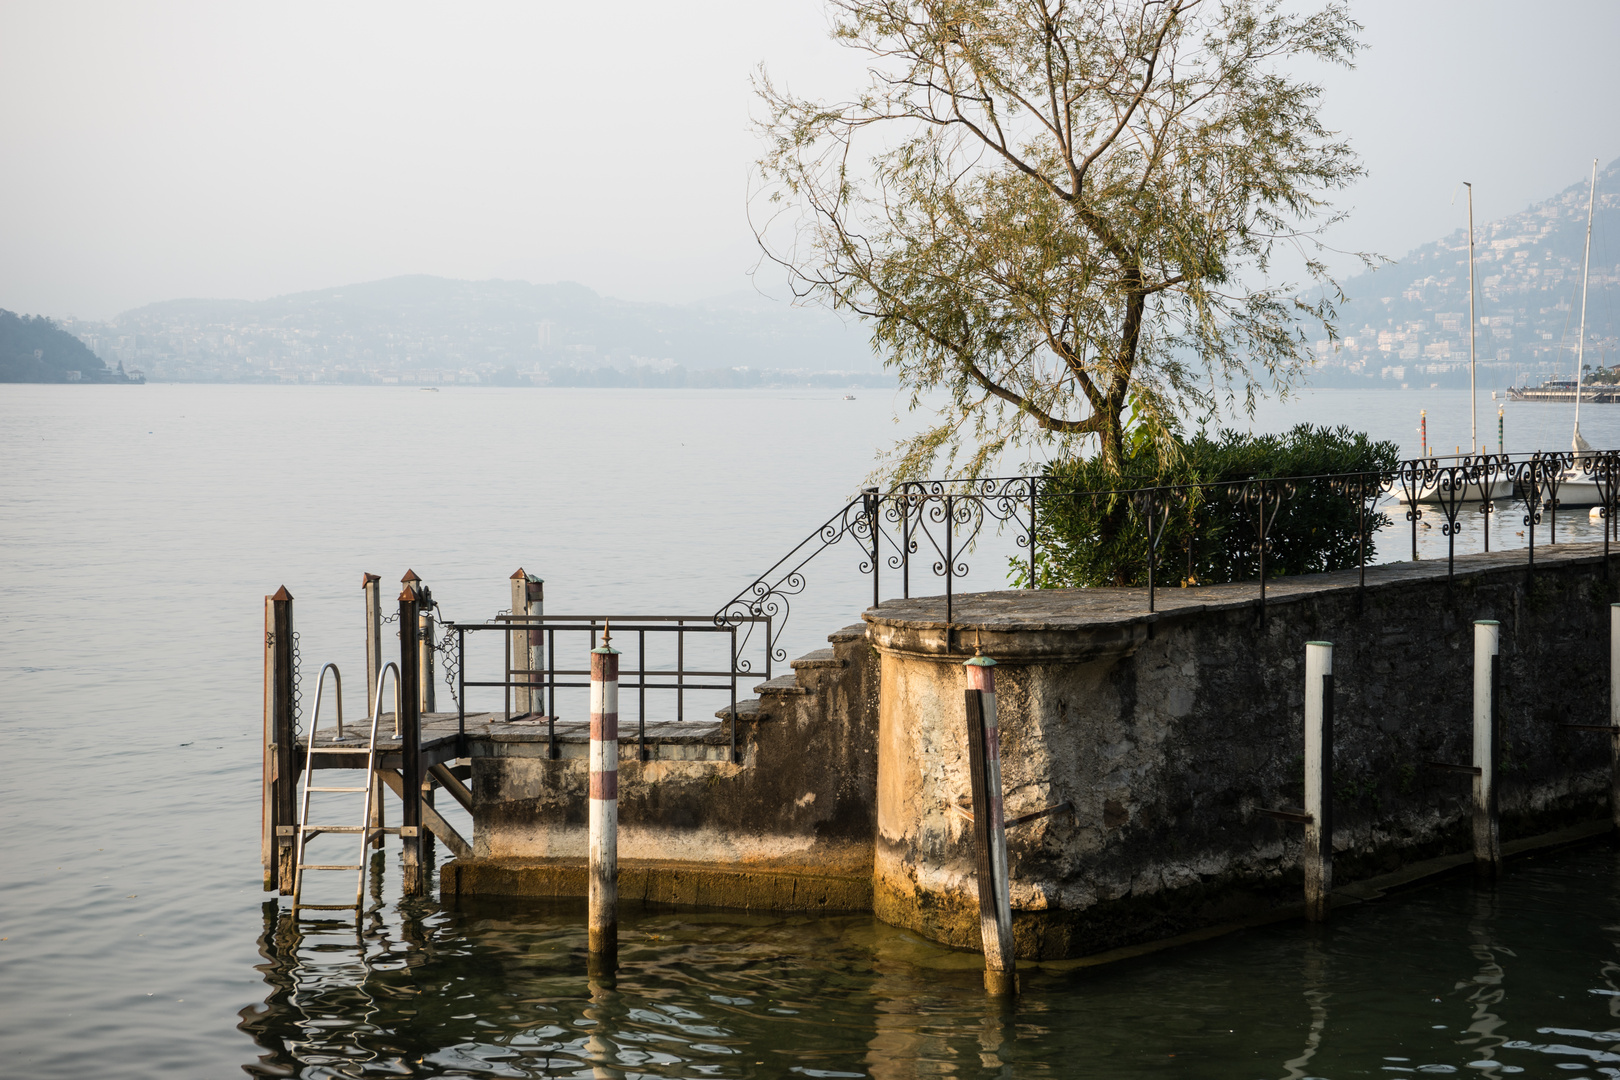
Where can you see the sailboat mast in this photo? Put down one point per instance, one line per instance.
(1586, 270)
(1473, 395)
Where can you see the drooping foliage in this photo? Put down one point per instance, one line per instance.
(1050, 208)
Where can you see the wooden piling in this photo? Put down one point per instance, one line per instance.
(278, 813)
(370, 588)
(280, 729)
(602, 921)
(528, 643)
(1487, 748)
(989, 828)
(410, 733)
(425, 654)
(1318, 854)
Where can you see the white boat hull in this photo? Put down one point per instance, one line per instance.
(1478, 491)
(1576, 490)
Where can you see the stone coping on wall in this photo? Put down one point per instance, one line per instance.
(1039, 624)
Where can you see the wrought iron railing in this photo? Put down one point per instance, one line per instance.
(936, 523)
(686, 677)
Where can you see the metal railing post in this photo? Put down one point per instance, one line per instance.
(870, 497)
(1034, 579)
(641, 690)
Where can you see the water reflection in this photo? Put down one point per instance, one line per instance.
(1314, 981)
(1486, 986)
(502, 990)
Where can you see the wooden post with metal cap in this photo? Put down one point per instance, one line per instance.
(602, 920)
(989, 827)
(410, 743)
(1487, 748)
(426, 648)
(528, 642)
(1318, 854)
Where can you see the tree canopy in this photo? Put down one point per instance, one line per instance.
(1065, 213)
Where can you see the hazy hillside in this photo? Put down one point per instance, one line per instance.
(1408, 322)
(35, 349)
(430, 329)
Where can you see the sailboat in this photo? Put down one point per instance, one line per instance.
(1481, 490)
(1575, 487)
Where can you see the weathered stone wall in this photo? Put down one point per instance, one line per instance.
(789, 826)
(1169, 732)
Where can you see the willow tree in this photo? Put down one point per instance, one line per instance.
(1066, 213)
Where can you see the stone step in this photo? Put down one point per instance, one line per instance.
(819, 658)
(786, 685)
(748, 711)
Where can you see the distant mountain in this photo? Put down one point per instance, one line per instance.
(431, 329)
(1408, 321)
(35, 349)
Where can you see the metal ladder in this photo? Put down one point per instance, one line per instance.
(365, 829)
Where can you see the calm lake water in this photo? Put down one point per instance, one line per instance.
(139, 529)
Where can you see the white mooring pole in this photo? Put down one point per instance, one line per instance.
(989, 828)
(1318, 854)
(1487, 748)
(602, 921)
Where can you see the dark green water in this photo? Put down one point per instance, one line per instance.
(1523, 979)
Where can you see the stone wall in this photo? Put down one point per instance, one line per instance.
(1169, 732)
(788, 826)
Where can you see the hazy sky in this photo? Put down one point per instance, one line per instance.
(158, 150)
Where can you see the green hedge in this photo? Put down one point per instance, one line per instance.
(1087, 539)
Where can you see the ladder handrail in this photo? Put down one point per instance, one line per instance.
(371, 775)
(366, 828)
(309, 771)
(320, 688)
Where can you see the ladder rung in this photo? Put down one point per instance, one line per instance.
(335, 789)
(338, 750)
(325, 907)
(333, 828)
(324, 866)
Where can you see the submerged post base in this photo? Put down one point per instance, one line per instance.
(1000, 983)
(603, 958)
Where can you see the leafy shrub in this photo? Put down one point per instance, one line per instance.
(1088, 533)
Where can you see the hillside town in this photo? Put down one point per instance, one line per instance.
(1407, 323)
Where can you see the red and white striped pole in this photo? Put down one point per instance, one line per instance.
(990, 829)
(602, 920)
